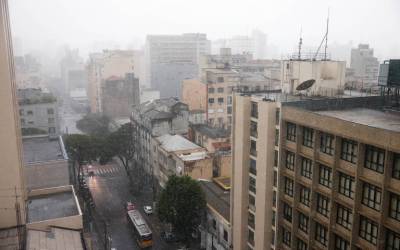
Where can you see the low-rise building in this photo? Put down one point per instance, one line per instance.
(209, 137)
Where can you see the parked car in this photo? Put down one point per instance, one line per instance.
(168, 237)
(148, 210)
(129, 206)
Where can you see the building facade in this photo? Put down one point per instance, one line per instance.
(365, 66)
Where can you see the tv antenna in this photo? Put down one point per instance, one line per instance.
(324, 39)
(300, 43)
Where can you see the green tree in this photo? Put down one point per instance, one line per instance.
(182, 204)
(94, 124)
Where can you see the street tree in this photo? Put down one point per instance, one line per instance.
(94, 124)
(182, 204)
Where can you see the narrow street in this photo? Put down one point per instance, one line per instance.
(110, 190)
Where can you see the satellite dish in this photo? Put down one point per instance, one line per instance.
(305, 85)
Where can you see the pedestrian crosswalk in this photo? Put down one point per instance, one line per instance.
(108, 171)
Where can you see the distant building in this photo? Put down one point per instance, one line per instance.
(172, 58)
(79, 100)
(197, 117)
(72, 69)
(365, 66)
(147, 94)
(119, 95)
(38, 112)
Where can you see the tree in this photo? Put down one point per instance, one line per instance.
(182, 204)
(94, 124)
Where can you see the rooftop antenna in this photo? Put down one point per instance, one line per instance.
(300, 43)
(325, 38)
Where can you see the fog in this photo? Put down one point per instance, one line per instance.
(94, 24)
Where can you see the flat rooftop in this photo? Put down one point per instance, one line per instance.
(217, 198)
(369, 117)
(51, 206)
(57, 238)
(173, 143)
(43, 149)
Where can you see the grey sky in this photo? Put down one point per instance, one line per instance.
(81, 22)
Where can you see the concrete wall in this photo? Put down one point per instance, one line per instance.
(194, 94)
(11, 178)
(40, 117)
(47, 174)
(211, 237)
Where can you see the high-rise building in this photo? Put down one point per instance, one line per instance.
(365, 66)
(172, 58)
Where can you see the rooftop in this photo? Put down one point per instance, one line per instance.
(57, 238)
(159, 109)
(211, 131)
(43, 149)
(51, 206)
(172, 143)
(369, 117)
(217, 198)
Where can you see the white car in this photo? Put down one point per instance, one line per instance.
(148, 210)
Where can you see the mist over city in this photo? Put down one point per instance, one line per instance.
(200, 125)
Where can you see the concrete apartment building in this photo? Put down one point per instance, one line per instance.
(103, 65)
(38, 112)
(194, 94)
(119, 95)
(172, 58)
(365, 66)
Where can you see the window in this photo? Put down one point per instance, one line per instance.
(253, 148)
(323, 205)
(349, 150)
(21, 112)
(276, 155)
(220, 100)
(303, 222)
(211, 90)
(396, 166)
(341, 244)
(211, 121)
(274, 198)
(308, 137)
(325, 176)
(229, 109)
(214, 224)
(327, 143)
(306, 167)
(394, 209)
(22, 121)
(273, 237)
(286, 236)
(50, 120)
(254, 110)
(220, 90)
(253, 129)
(374, 158)
(210, 100)
(252, 184)
(30, 112)
(252, 200)
(251, 237)
(275, 178)
(344, 216)
(301, 245)
(220, 79)
(305, 195)
(289, 160)
(253, 166)
(276, 137)
(346, 185)
(251, 220)
(289, 187)
(229, 100)
(52, 130)
(287, 212)
(277, 116)
(371, 196)
(50, 111)
(225, 235)
(321, 234)
(368, 230)
(392, 240)
(273, 218)
(291, 131)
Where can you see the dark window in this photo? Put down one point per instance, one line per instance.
(21, 112)
(344, 216)
(229, 100)
(253, 148)
(229, 109)
(273, 218)
(291, 131)
(273, 237)
(210, 100)
(341, 244)
(211, 90)
(251, 220)
(346, 185)
(275, 178)
(286, 237)
(306, 168)
(253, 129)
(325, 176)
(287, 212)
(276, 158)
(308, 137)
(301, 245)
(251, 237)
(305, 195)
(253, 167)
(225, 236)
(396, 166)
(52, 130)
(22, 121)
(274, 198)
(327, 143)
(374, 158)
(214, 224)
(323, 205)
(288, 186)
(289, 160)
(252, 200)
(394, 209)
(252, 184)
(321, 234)
(277, 116)
(220, 100)
(368, 230)
(30, 112)
(50, 120)
(349, 150)
(392, 240)
(371, 196)
(276, 137)
(254, 110)
(50, 111)
(220, 79)
(303, 222)
(220, 90)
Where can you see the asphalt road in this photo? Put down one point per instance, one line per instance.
(68, 119)
(110, 190)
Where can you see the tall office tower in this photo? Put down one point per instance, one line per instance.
(12, 190)
(365, 66)
(172, 58)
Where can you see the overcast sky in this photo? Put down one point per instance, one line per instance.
(80, 23)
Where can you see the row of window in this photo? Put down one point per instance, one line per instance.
(220, 100)
(212, 90)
